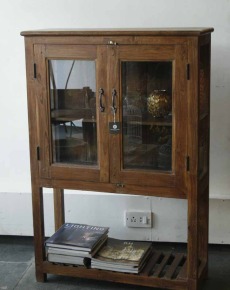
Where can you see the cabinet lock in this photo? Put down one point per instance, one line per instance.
(110, 42)
(120, 185)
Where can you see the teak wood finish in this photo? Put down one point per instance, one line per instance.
(186, 48)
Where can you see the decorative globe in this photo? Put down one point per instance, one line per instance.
(159, 104)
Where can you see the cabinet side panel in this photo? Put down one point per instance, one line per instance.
(198, 150)
(37, 196)
(42, 111)
(192, 153)
(32, 110)
(204, 144)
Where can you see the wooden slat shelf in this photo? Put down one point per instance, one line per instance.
(162, 269)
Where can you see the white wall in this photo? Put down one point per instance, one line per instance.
(18, 15)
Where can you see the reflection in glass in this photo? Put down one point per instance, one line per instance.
(147, 115)
(73, 111)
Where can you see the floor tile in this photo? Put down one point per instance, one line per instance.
(16, 249)
(11, 273)
(17, 270)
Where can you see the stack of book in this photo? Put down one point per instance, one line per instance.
(75, 243)
(122, 256)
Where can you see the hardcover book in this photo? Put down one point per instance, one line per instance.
(77, 237)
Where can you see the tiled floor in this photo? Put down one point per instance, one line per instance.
(17, 270)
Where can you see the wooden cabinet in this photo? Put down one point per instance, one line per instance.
(125, 112)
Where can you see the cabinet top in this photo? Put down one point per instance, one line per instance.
(191, 31)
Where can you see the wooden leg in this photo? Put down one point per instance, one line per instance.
(193, 235)
(203, 229)
(193, 285)
(59, 208)
(38, 220)
(40, 277)
(198, 213)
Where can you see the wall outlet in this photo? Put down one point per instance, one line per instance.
(138, 219)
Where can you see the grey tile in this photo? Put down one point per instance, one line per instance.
(219, 270)
(16, 249)
(17, 270)
(11, 273)
(216, 284)
(54, 282)
(218, 279)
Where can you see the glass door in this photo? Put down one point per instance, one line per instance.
(147, 115)
(72, 91)
(73, 107)
(152, 101)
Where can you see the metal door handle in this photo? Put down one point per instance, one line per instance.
(114, 94)
(101, 93)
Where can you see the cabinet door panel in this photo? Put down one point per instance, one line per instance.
(70, 80)
(150, 148)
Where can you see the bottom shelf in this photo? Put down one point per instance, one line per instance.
(172, 266)
(163, 269)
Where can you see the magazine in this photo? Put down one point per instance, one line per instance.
(76, 253)
(123, 256)
(77, 237)
(81, 261)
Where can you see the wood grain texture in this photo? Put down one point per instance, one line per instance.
(37, 194)
(190, 125)
(134, 31)
(193, 218)
(59, 208)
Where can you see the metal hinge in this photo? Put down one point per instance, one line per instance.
(38, 153)
(35, 71)
(188, 71)
(187, 163)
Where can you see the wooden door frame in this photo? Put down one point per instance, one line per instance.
(47, 169)
(178, 55)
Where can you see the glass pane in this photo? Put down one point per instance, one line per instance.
(73, 111)
(147, 115)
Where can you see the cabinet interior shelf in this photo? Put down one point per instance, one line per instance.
(72, 115)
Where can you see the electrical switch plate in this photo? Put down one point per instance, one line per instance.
(138, 219)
